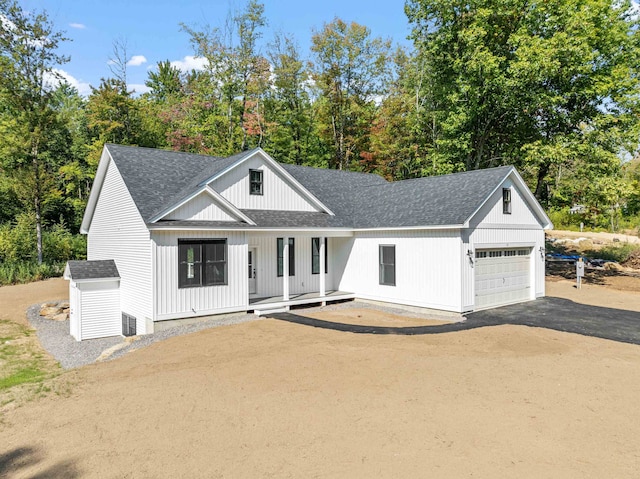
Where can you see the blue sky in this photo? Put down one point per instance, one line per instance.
(152, 33)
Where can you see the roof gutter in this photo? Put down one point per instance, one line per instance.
(154, 227)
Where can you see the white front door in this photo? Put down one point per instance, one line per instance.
(252, 270)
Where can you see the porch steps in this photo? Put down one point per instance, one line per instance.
(269, 310)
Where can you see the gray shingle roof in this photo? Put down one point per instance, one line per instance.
(199, 224)
(95, 269)
(293, 219)
(435, 200)
(158, 179)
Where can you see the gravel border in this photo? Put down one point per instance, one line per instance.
(56, 339)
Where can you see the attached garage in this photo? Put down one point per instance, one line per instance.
(502, 276)
(94, 299)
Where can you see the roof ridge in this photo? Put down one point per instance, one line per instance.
(361, 173)
(457, 173)
(211, 157)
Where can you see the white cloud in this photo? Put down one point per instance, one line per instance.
(79, 26)
(139, 88)
(137, 60)
(634, 9)
(189, 63)
(60, 76)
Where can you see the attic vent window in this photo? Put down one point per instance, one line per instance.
(506, 201)
(255, 182)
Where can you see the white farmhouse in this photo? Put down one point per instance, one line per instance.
(194, 235)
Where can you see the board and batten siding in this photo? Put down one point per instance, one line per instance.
(175, 303)
(492, 228)
(427, 267)
(277, 193)
(100, 315)
(487, 238)
(202, 207)
(118, 232)
(268, 283)
(491, 212)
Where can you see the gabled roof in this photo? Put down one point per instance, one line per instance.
(91, 270)
(156, 179)
(435, 200)
(159, 181)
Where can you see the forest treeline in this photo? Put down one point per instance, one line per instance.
(549, 86)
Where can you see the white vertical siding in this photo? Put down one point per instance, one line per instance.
(492, 212)
(74, 311)
(202, 207)
(278, 194)
(427, 267)
(491, 227)
(118, 232)
(100, 315)
(268, 281)
(504, 237)
(173, 302)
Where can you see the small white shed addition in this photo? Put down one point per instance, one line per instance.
(94, 299)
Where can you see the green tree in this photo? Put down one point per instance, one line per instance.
(28, 58)
(165, 83)
(237, 79)
(350, 69)
(550, 87)
(289, 108)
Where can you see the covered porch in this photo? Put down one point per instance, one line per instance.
(291, 268)
(275, 304)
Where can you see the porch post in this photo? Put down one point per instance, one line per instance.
(285, 269)
(322, 267)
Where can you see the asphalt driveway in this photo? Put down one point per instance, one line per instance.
(551, 313)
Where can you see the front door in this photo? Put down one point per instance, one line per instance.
(252, 270)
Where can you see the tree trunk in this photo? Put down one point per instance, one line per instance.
(541, 190)
(37, 200)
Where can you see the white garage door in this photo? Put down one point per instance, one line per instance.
(502, 277)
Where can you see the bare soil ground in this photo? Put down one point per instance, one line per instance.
(275, 399)
(604, 237)
(14, 300)
(372, 317)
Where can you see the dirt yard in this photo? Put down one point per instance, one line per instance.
(275, 399)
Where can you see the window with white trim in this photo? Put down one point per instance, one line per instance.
(315, 255)
(202, 263)
(387, 262)
(255, 182)
(506, 201)
(292, 256)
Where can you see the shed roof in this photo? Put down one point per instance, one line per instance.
(91, 270)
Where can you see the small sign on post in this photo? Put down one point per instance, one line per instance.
(579, 272)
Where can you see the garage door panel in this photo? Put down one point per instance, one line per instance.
(502, 276)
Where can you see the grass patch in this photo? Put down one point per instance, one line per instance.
(28, 374)
(22, 360)
(16, 272)
(619, 253)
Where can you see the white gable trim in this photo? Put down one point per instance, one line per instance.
(527, 195)
(96, 188)
(280, 170)
(217, 198)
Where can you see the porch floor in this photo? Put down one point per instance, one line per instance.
(296, 299)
